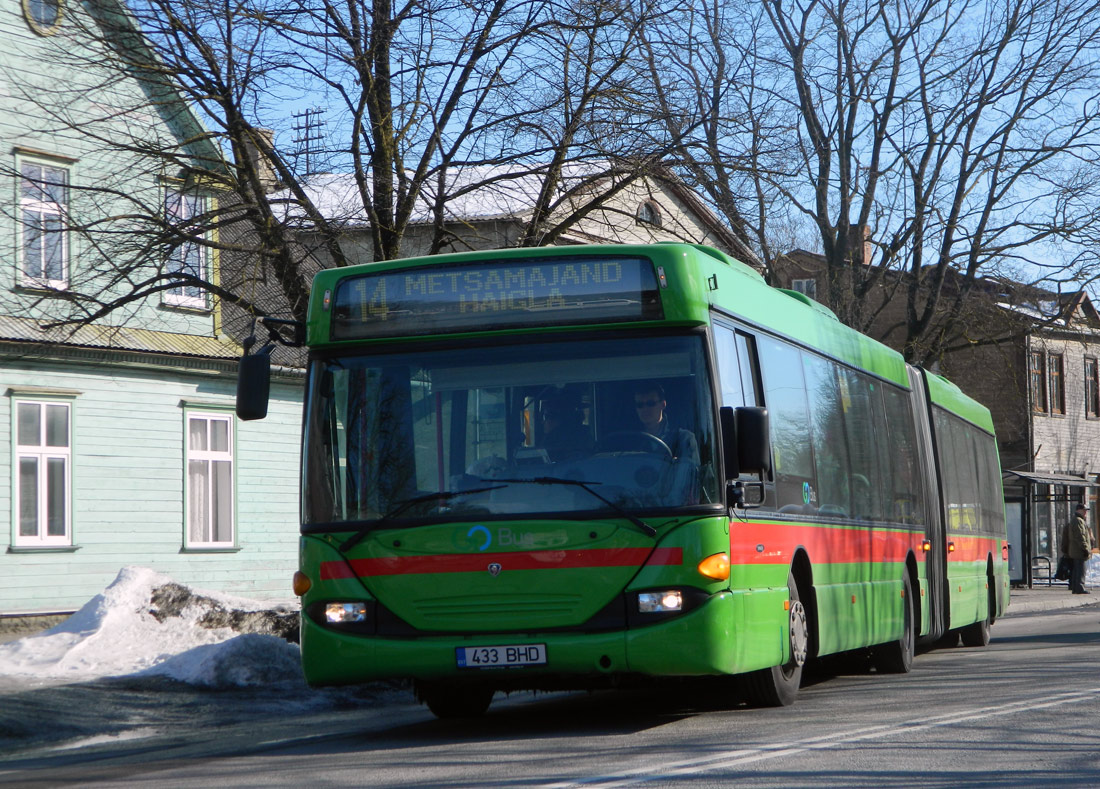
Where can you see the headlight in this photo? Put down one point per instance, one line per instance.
(660, 602)
(344, 613)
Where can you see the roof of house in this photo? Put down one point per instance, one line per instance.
(118, 338)
(486, 193)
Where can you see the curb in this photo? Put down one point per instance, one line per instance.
(1056, 602)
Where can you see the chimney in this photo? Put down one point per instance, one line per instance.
(269, 181)
(859, 242)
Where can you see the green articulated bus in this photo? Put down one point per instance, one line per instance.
(580, 467)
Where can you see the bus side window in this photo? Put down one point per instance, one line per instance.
(829, 445)
(859, 401)
(907, 495)
(785, 398)
(736, 358)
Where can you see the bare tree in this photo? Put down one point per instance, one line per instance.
(412, 93)
(956, 136)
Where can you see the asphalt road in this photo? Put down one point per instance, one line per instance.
(1023, 712)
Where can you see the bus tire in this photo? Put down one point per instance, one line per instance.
(454, 701)
(896, 657)
(977, 634)
(778, 686)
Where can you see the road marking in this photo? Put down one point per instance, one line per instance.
(733, 758)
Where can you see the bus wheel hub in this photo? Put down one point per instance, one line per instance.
(800, 636)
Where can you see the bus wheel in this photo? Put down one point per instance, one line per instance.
(896, 657)
(778, 686)
(454, 701)
(977, 634)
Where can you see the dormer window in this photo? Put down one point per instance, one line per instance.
(188, 255)
(43, 209)
(649, 213)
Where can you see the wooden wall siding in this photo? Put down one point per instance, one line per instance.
(58, 70)
(128, 489)
(1069, 443)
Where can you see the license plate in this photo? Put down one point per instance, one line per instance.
(501, 656)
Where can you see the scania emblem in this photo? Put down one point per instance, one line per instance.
(494, 569)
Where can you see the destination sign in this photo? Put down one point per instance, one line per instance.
(495, 295)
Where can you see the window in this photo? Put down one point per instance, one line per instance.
(1056, 372)
(1037, 380)
(971, 473)
(209, 480)
(1092, 388)
(785, 398)
(805, 286)
(43, 458)
(187, 256)
(649, 213)
(43, 16)
(43, 206)
(385, 432)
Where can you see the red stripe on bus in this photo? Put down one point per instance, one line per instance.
(753, 543)
(970, 548)
(518, 560)
(331, 571)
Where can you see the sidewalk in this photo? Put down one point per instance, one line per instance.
(1048, 598)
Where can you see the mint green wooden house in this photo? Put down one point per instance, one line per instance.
(120, 445)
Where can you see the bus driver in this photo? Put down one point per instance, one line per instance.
(650, 405)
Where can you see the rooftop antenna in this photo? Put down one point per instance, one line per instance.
(307, 128)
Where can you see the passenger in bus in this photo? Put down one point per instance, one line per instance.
(564, 434)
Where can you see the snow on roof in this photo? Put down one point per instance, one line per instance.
(475, 193)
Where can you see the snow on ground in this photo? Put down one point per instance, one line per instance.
(144, 624)
(1092, 571)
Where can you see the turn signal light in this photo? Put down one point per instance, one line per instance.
(926, 546)
(716, 567)
(950, 547)
(301, 583)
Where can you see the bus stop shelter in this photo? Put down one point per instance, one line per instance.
(1036, 505)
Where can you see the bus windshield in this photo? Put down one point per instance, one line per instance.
(631, 418)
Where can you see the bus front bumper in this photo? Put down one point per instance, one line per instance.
(731, 633)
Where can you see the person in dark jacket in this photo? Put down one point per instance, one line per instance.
(1077, 545)
(650, 405)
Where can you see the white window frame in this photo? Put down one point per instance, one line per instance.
(34, 199)
(42, 454)
(807, 287)
(201, 510)
(180, 209)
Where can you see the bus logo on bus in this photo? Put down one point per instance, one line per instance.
(494, 569)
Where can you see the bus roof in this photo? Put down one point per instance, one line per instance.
(951, 398)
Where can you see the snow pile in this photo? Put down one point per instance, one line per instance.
(145, 624)
(1092, 571)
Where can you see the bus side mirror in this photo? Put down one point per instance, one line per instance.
(253, 385)
(754, 446)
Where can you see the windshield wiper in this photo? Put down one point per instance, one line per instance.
(640, 524)
(441, 496)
